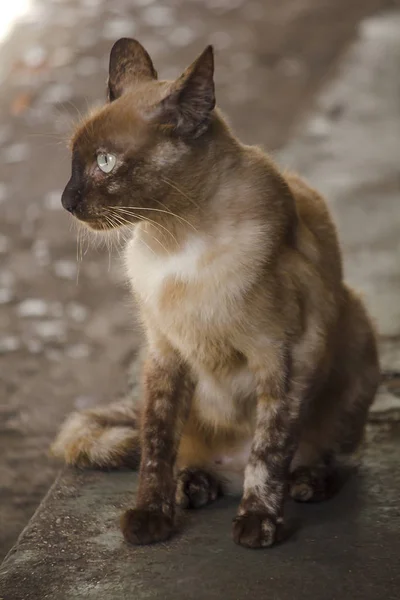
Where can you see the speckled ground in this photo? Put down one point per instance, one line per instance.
(66, 328)
(344, 549)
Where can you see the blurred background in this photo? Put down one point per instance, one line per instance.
(66, 329)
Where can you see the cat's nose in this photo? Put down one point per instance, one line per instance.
(71, 197)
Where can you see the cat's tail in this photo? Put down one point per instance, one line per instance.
(105, 438)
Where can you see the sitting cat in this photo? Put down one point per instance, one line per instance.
(261, 363)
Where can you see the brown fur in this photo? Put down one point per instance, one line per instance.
(260, 358)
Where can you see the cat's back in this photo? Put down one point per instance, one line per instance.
(317, 232)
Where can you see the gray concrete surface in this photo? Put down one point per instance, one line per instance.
(345, 549)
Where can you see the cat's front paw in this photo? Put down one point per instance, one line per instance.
(141, 526)
(254, 530)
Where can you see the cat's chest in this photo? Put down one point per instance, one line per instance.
(152, 274)
(187, 294)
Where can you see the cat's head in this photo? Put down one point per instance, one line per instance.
(130, 153)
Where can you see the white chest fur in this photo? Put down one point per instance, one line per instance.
(188, 294)
(214, 274)
(226, 263)
(148, 270)
(195, 292)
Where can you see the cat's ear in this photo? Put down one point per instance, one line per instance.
(187, 108)
(129, 62)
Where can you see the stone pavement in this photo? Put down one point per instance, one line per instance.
(65, 345)
(345, 549)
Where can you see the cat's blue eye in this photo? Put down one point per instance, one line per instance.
(106, 161)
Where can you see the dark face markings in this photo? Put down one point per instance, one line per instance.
(75, 188)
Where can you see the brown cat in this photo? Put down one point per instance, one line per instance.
(260, 360)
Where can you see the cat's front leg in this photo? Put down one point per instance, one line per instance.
(260, 516)
(168, 390)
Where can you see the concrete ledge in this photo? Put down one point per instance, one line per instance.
(347, 548)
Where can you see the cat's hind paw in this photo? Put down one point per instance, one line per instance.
(196, 488)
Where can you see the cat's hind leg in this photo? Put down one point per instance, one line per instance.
(329, 449)
(333, 434)
(208, 467)
(197, 483)
(103, 438)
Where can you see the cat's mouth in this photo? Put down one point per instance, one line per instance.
(99, 224)
(107, 218)
(90, 212)
(97, 220)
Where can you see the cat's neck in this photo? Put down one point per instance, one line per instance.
(227, 185)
